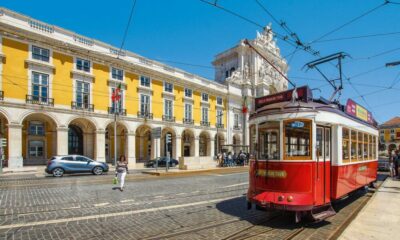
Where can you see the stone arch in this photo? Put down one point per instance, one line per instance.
(82, 137)
(48, 115)
(92, 121)
(236, 140)
(4, 121)
(122, 148)
(204, 144)
(144, 143)
(39, 138)
(188, 143)
(170, 147)
(5, 115)
(219, 140)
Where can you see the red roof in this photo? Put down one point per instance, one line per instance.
(391, 122)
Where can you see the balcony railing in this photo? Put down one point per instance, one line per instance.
(237, 128)
(39, 100)
(82, 106)
(145, 115)
(122, 111)
(167, 118)
(219, 125)
(188, 121)
(204, 123)
(1, 95)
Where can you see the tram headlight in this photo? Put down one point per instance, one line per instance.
(289, 199)
(280, 198)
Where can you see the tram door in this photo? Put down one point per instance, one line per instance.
(323, 157)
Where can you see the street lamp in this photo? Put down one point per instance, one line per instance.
(219, 116)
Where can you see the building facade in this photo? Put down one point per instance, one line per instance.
(389, 135)
(56, 88)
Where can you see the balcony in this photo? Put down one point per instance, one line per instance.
(122, 111)
(39, 100)
(219, 125)
(167, 118)
(145, 115)
(1, 95)
(237, 128)
(188, 121)
(204, 123)
(82, 106)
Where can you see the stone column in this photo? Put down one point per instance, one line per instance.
(178, 147)
(100, 145)
(15, 159)
(196, 146)
(131, 147)
(212, 148)
(62, 141)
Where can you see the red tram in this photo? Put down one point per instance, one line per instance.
(309, 152)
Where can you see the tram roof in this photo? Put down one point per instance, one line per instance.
(283, 103)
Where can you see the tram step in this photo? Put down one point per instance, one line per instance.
(323, 213)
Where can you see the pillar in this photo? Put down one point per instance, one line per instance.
(178, 147)
(62, 141)
(130, 145)
(100, 145)
(15, 159)
(212, 148)
(196, 146)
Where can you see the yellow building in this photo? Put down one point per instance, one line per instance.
(389, 134)
(56, 99)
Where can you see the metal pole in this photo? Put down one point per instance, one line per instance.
(115, 134)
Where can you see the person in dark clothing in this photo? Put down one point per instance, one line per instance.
(396, 164)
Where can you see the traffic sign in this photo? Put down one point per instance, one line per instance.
(168, 138)
(156, 132)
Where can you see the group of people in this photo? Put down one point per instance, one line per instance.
(232, 159)
(394, 161)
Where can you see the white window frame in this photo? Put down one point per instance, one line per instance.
(222, 101)
(48, 85)
(31, 46)
(83, 71)
(115, 79)
(202, 114)
(172, 108)
(203, 95)
(140, 81)
(191, 92)
(140, 102)
(75, 92)
(191, 112)
(165, 85)
(219, 117)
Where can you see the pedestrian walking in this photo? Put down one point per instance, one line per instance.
(396, 164)
(392, 172)
(121, 170)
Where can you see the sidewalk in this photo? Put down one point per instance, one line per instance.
(380, 218)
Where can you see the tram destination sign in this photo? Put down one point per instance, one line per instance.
(303, 94)
(357, 111)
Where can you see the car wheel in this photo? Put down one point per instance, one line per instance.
(97, 170)
(58, 172)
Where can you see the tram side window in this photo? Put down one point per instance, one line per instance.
(353, 145)
(346, 145)
(365, 146)
(374, 147)
(360, 146)
(297, 139)
(269, 141)
(370, 149)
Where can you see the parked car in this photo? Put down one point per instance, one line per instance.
(58, 165)
(162, 162)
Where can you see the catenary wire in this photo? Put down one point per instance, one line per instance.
(127, 27)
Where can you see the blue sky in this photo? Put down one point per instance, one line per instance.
(189, 31)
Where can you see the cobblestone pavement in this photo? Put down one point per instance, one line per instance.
(207, 206)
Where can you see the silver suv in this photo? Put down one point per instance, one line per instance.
(58, 165)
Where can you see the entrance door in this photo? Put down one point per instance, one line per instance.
(323, 157)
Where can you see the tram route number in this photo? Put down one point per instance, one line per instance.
(272, 173)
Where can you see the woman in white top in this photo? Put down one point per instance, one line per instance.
(121, 170)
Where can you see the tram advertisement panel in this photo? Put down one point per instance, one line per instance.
(303, 93)
(355, 110)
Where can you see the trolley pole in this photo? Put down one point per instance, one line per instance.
(115, 134)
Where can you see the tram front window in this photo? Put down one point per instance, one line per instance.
(269, 141)
(297, 139)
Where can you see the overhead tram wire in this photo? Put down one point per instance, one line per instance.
(278, 35)
(358, 37)
(127, 28)
(351, 21)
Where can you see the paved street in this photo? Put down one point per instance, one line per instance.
(83, 207)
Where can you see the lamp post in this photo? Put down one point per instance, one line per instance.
(219, 116)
